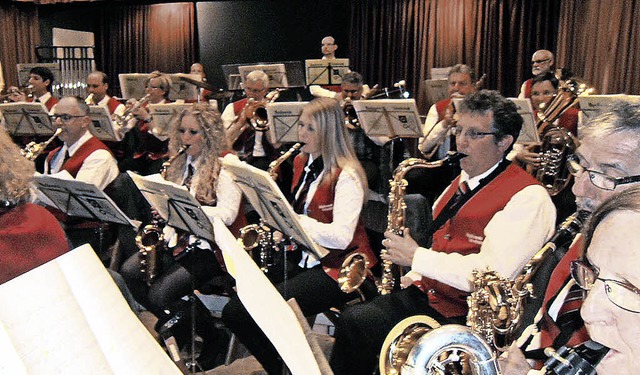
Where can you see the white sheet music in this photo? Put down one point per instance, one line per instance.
(68, 316)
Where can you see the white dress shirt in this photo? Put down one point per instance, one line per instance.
(228, 115)
(433, 132)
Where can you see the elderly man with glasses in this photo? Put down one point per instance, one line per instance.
(542, 61)
(605, 164)
(492, 215)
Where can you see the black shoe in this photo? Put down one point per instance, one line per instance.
(214, 351)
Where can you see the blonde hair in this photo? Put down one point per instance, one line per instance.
(335, 144)
(214, 145)
(16, 173)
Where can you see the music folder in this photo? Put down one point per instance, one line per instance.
(133, 85)
(79, 199)
(283, 120)
(325, 71)
(183, 90)
(277, 73)
(102, 127)
(529, 131)
(27, 119)
(267, 199)
(389, 118)
(175, 205)
(165, 114)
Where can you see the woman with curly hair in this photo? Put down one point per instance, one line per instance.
(199, 169)
(29, 235)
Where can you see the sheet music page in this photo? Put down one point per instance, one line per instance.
(266, 305)
(68, 316)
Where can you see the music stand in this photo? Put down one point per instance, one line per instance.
(435, 90)
(266, 198)
(182, 89)
(80, 199)
(440, 73)
(276, 72)
(175, 205)
(283, 118)
(133, 85)
(101, 124)
(594, 105)
(24, 68)
(27, 119)
(325, 72)
(165, 114)
(529, 131)
(393, 118)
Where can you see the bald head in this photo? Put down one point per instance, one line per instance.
(542, 61)
(329, 47)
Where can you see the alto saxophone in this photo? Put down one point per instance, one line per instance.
(496, 306)
(274, 165)
(32, 150)
(165, 166)
(396, 218)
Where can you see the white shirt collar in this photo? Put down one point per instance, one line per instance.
(475, 181)
(74, 147)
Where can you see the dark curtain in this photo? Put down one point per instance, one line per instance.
(19, 34)
(598, 40)
(393, 40)
(141, 39)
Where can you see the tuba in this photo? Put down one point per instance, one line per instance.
(556, 143)
(32, 150)
(396, 216)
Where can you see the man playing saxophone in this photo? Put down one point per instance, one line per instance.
(253, 146)
(493, 215)
(600, 171)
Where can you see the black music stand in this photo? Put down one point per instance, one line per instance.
(326, 71)
(101, 124)
(283, 120)
(276, 72)
(27, 119)
(175, 205)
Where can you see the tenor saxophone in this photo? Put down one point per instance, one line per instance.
(396, 217)
(496, 305)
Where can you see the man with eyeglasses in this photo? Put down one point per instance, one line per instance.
(492, 215)
(542, 61)
(605, 164)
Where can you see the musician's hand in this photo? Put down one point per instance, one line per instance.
(527, 156)
(513, 362)
(15, 95)
(400, 249)
(405, 282)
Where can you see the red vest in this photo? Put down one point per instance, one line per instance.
(528, 84)
(49, 103)
(441, 107)
(112, 104)
(470, 220)
(321, 209)
(245, 141)
(74, 163)
(29, 237)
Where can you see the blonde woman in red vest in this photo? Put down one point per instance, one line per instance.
(329, 188)
(200, 170)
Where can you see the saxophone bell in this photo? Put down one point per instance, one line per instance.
(32, 150)
(275, 165)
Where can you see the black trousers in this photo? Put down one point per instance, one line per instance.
(314, 291)
(362, 328)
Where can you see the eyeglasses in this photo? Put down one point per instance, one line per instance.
(65, 117)
(191, 131)
(471, 133)
(534, 62)
(93, 86)
(598, 179)
(621, 294)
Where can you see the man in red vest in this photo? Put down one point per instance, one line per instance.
(542, 61)
(600, 172)
(493, 215)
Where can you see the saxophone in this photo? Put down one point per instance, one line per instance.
(150, 239)
(496, 305)
(32, 150)
(274, 165)
(396, 217)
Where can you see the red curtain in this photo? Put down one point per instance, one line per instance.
(19, 35)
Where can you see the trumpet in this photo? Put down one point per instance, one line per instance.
(32, 150)
(128, 115)
(255, 114)
(13, 90)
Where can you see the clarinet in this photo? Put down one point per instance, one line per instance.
(582, 359)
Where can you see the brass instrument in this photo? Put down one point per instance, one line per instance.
(165, 166)
(396, 216)
(255, 115)
(556, 143)
(89, 100)
(496, 306)
(13, 91)
(274, 165)
(350, 115)
(32, 150)
(401, 340)
(353, 272)
(128, 115)
(259, 235)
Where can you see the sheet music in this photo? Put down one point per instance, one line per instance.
(283, 120)
(266, 305)
(594, 105)
(325, 72)
(164, 115)
(68, 316)
(529, 131)
(26, 119)
(389, 117)
(101, 124)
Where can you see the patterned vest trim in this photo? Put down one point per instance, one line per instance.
(74, 163)
(321, 209)
(463, 233)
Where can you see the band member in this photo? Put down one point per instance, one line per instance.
(328, 48)
(148, 145)
(253, 146)
(542, 61)
(29, 235)
(600, 171)
(198, 69)
(491, 209)
(97, 86)
(329, 191)
(199, 169)
(608, 270)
